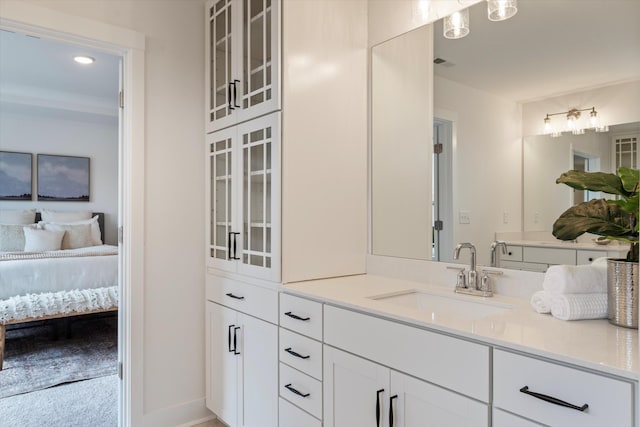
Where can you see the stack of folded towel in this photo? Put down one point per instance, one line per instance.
(573, 292)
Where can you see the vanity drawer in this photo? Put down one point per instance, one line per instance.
(301, 352)
(549, 255)
(587, 257)
(514, 253)
(292, 416)
(301, 315)
(505, 419)
(254, 300)
(449, 362)
(610, 401)
(301, 390)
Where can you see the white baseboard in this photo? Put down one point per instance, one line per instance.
(183, 415)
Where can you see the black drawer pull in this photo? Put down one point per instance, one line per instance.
(378, 407)
(234, 296)
(293, 316)
(294, 391)
(293, 353)
(553, 400)
(391, 409)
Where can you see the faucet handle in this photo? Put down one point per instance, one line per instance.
(486, 282)
(461, 278)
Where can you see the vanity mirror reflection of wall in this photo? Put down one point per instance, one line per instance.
(494, 89)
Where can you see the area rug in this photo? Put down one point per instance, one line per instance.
(80, 404)
(36, 359)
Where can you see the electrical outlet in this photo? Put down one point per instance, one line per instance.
(536, 217)
(505, 217)
(464, 217)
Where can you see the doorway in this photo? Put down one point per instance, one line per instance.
(442, 213)
(130, 45)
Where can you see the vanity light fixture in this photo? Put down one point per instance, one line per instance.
(84, 60)
(456, 25)
(499, 10)
(573, 122)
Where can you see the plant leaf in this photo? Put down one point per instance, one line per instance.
(630, 205)
(629, 178)
(593, 181)
(595, 216)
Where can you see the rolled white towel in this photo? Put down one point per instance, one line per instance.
(576, 279)
(579, 306)
(541, 302)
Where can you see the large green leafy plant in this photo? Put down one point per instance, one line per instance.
(614, 219)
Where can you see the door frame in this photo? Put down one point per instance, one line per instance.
(130, 45)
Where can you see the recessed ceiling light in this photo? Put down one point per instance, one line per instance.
(84, 59)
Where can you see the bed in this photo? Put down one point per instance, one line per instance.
(41, 285)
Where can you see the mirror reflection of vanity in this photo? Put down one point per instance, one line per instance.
(496, 171)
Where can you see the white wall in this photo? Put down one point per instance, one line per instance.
(173, 288)
(487, 163)
(44, 131)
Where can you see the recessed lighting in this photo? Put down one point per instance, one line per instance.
(84, 60)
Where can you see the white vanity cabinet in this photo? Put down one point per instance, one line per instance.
(558, 395)
(242, 354)
(358, 392)
(412, 376)
(243, 193)
(539, 258)
(242, 58)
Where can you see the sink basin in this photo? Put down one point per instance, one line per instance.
(442, 305)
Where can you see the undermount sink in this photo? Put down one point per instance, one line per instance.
(439, 305)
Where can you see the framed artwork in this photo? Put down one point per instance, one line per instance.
(15, 176)
(63, 178)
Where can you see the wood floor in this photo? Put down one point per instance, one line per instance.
(212, 423)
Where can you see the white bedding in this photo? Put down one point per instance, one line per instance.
(26, 276)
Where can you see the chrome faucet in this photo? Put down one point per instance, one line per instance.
(495, 245)
(472, 282)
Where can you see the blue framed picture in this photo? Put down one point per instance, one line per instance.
(15, 176)
(63, 178)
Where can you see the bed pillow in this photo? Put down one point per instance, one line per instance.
(38, 240)
(12, 237)
(64, 216)
(93, 222)
(26, 216)
(75, 236)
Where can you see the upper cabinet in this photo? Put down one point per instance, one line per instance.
(244, 197)
(242, 61)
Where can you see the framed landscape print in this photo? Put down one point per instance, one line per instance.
(63, 178)
(15, 176)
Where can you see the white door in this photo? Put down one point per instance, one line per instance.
(356, 391)
(418, 404)
(258, 211)
(258, 393)
(223, 357)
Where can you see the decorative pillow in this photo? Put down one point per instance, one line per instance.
(64, 216)
(27, 216)
(93, 222)
(75, 236)
(12, 237)
(38, 240)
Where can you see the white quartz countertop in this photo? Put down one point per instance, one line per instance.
(592, 344)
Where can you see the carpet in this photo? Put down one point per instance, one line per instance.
(35, 359)
(65, 406)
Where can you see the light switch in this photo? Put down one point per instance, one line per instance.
(505, 217)
(464, 217)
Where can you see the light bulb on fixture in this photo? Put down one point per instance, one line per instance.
(499, 10)
(547, 125)
(456, 25)
(593, 118)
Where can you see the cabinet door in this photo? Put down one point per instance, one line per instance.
(257, 88)
(353, 389)
(221, 199)
(258, 372)
(259, 213)
(221, 46)
(419, 403)
(222, 362)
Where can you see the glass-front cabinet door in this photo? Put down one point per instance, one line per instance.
(242, 57)
(244, 198)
